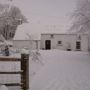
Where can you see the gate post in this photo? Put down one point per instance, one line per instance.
(25, 71)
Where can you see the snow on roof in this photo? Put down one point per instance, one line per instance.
(62, 33)
(63, 70)
(23, 30)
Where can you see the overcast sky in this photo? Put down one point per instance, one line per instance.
(46, 15)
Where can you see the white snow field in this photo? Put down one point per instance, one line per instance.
(53, 70)
(60, 70)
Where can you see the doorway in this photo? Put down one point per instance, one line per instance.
(48, 44)
(78, 45)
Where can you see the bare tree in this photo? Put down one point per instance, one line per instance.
(10, 18)
(81, 17)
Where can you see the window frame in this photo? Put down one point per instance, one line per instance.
(59, 42)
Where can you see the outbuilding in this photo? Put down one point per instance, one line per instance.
(70, 42)
(29, 44)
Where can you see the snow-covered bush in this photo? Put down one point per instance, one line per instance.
(36, 56)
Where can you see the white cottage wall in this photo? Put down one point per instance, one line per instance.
(68, 41)
(35, 44)
(84, 43)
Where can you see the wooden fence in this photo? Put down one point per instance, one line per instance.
(23, 72)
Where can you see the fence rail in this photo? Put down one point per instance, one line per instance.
(11, 72)
(9, 59)
(11, 84)
(23, 72)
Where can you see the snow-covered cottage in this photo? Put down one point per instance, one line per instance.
(73, 42)
(25, 38)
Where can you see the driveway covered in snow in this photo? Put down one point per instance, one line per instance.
(62, 70)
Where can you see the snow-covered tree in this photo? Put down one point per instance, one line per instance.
(81, 17)
(10, 18)
(30, 37)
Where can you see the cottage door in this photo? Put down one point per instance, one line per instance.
(78, 45)
(48, 44)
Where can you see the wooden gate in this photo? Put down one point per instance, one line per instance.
(15, 73)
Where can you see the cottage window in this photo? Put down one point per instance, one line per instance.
(59, 42)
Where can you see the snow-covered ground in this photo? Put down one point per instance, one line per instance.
(60, 70)
(53, 70)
